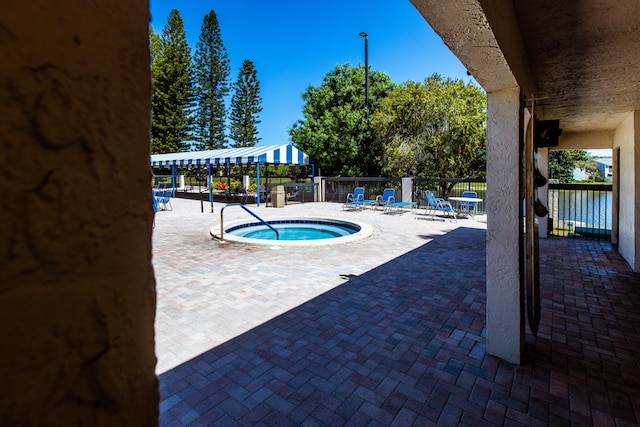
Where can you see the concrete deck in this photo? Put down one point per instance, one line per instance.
(389, 330)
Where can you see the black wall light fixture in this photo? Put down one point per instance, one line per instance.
(547, 133)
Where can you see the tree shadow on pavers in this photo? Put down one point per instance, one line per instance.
(404, 341)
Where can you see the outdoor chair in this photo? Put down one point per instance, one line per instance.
(244, 195)
(469, 207)
(164, 200)
(437, 204)
(292, 196)
(356, 199)
(398, 206)
(154, 196)
(388, 196)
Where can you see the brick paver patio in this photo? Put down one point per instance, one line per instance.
(385, 331)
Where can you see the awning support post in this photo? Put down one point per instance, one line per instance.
(210, 185)
(173, 179)
(258, 184)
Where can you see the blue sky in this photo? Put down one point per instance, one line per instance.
(294, 43)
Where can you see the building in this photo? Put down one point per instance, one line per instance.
(605, 166)
(575, 62)
(78, 289)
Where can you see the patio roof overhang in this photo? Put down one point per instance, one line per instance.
(285, 154)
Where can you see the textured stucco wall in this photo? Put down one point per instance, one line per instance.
(77, 297)
(484, 36)
(627, 137)
(585, 140)
(505, 316)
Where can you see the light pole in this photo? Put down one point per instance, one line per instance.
(365, 143)
(366, 70)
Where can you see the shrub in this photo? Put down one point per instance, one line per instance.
(220, 185)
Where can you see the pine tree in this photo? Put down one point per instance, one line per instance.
(155, 45)
(245, 107)
(172, 98)
(212, 85)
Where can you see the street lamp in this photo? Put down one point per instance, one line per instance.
(365, 143)
(366, 70)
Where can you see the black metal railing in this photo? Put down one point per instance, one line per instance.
(297, 192)
(580, 210)
(262, 221)
(450, 187)
(336, 189)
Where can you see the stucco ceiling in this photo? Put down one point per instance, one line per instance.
(581, 57)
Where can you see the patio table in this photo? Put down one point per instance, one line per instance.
(474, 200)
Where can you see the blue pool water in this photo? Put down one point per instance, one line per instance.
(295, 230)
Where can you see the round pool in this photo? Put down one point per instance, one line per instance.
(298, 231)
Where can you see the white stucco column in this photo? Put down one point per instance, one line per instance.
(407, 189)
(505, 310)
(319, 196)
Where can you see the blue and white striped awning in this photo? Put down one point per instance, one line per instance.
(274, 154)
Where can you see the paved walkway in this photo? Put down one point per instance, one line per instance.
(384, 331)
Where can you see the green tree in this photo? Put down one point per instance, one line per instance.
(433, 129)
(562, 163)
(211, 64)
(335, 129)
(172, 97)
(155, 47)
(245, 107)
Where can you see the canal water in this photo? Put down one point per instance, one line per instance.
(581, 211)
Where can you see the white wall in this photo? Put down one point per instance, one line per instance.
(585, 141)
(627, 138)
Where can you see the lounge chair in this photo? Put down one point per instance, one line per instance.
(437, 204)
(356, 200)
(388, 196)
(292, 196)
(398, 206)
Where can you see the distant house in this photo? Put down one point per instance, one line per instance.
(605, 166)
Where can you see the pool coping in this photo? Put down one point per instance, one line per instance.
(366, 230)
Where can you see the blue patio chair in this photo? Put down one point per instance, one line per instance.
(292, 196)
(388, 196)
(469, 207)
(164, 200)
(356, 199)
(437, 204)
(154, 196)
